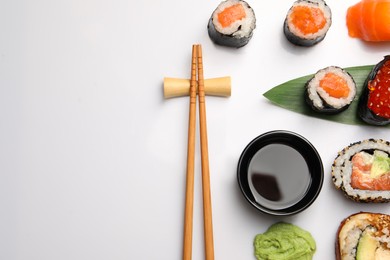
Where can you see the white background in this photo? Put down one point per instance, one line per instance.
(92, 158)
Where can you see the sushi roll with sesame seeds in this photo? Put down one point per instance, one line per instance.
(374, 102)
(362, 236)
(330, 91)
(362, 171)
(307, 22)
(232, 23)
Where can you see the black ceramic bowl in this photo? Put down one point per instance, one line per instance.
(280, 173)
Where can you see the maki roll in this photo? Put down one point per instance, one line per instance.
(232, 23)
(374, 102)
(362, 171)
(363, 235)
(307, 22)
(330, 91)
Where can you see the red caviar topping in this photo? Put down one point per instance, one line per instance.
(379, 95)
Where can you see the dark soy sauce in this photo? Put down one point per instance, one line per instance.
(278, 176)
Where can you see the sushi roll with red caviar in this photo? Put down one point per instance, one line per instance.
(374, 102)
(331, 90)
(307, 22)
(362, 171)
(232, 23)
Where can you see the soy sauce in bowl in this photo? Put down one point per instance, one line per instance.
(280, 173)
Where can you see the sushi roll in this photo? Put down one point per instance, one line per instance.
(232, 23)
(362, 171)
(362, 236)
(374, 102)
(330, 91)
(307, 22)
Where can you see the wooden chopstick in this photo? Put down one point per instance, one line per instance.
(188, 215)
(207, 212)
(197, 80)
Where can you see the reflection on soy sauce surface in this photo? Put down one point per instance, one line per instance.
(267, 186)
(278, 176)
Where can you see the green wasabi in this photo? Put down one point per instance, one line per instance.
(284, 241)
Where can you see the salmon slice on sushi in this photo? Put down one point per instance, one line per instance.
(369, 20)
(232, 24)
(307, 22)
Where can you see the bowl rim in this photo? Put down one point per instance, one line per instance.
(301, 145)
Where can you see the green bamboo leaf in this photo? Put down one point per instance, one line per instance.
(290, 95)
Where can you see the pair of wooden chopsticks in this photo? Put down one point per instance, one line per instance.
(197, 83)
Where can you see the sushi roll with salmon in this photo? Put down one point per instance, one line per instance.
(363, 236)
(369, 20)
(330, 91)
(362, 171)
(307, 22)
(232, 23)
(374, 102)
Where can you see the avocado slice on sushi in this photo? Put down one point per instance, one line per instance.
(380, 164)
(366, 247)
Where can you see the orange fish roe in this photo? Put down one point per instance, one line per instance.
(308, 20)
(231, 14)
(335, 85)
(379, 96)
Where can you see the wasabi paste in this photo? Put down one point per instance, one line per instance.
(284, 241)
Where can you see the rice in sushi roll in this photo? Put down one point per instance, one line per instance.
(307, 22)
(363, 236)
(362, 171)
(331, 90)
(232, 23)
